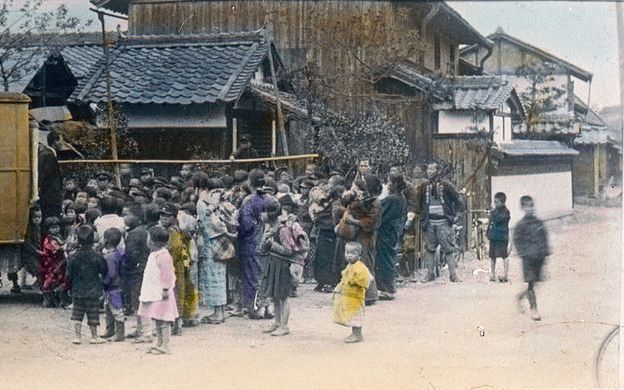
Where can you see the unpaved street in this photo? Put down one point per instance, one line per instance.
(427, 338)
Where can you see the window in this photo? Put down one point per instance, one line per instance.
(436, 51)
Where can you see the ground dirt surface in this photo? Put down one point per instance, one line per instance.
(428, 338)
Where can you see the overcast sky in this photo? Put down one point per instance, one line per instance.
(583, 33)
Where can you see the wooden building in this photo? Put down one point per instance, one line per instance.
(189, 96)
(320, 36)
(510, 55)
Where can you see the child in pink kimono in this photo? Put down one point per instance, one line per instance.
(157, 300)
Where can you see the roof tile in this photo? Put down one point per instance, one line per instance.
(175, 72)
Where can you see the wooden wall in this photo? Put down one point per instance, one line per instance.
(311, 32)
(469, 162)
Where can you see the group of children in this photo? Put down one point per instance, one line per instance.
(159, 249)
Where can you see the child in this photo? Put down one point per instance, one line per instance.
(85, 269)
(350, 293)
(498, 234)
(179, 249)
(29, 259)
(112, 285)
(277, 281)
(531, 242)
(134, 263)
(157, 300)
(109, 219)
(52, 263)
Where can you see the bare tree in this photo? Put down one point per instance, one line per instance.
(27, 33)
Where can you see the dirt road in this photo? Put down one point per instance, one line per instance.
(426, 339)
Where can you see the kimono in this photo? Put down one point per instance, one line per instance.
(325, 270)
(159, 274)
(249, 234)
(112, 284)
(212, 273)
(186, 295)
(393, 215)
(52, 266)
(350, 293)
(360, 224)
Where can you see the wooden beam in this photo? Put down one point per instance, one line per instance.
(234, 135)
(273, 139)
(241, 161)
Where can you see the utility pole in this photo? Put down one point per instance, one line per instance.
(112, 123)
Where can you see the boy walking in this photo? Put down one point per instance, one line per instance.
(85, 269)
(531, 242)
(498, 234)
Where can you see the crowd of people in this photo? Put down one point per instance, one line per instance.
(196, 249)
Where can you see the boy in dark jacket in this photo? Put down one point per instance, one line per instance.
(134, 265)
(531, 242)
(85, 269)
(498, 235)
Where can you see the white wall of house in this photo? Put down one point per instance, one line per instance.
(502, 125)
(461, 122)
(173, 116)
(551, 191)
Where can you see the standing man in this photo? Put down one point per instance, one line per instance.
(50, 179)
(438, 203)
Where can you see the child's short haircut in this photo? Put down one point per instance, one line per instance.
(51, 221)
(109, 205)
(85, 235)
(91, 215)
(355, 244)
(163, 193)
(152, 213)
(526, 200)
(158, 235)
(501, 196)
(112, 237)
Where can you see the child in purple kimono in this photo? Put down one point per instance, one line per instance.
(249, 233)
(112, 285)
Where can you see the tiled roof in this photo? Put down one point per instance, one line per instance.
(81, 59)
(413, 77)
(593, 137)
(478, 92)
(176, 72)
(533, 148)
(289, 102)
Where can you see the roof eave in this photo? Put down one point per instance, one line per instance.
(573, 69)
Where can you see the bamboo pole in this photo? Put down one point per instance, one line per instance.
(234, 135)
(109, 103)
(280, 115)
(273, 139)
(241, 161)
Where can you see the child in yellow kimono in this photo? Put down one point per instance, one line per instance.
(349, 294)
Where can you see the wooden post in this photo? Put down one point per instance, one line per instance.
(234, 136)
(596, 169)
(273, 139)
(109, 104)
(280, 115)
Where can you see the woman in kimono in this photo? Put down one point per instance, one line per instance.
(360, 222)
(393, 214)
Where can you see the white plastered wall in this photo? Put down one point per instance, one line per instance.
(551, 191)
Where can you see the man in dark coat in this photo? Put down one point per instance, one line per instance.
(50, 179)
(437, 201)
